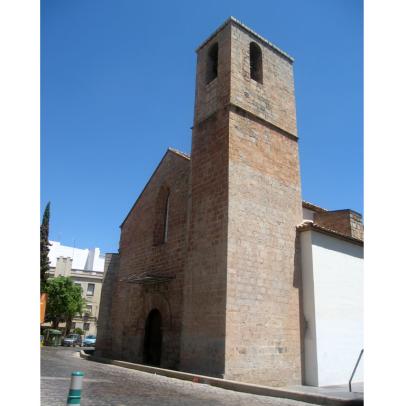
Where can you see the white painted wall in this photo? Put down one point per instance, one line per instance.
(310, 343)
(98, 260)
(333, 308)
(86, 259)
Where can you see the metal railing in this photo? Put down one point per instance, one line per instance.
(355, 368)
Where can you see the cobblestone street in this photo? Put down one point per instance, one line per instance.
(112, 385)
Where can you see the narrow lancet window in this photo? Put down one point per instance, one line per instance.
(162, 216)
(212, 62)
(256, 62)
(166, 219)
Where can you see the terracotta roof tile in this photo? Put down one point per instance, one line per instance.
(309, 225)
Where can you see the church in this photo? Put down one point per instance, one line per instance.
(223, 270)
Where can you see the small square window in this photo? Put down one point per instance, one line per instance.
(86, 326)
(90, 289)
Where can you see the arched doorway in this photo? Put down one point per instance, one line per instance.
(153, 338)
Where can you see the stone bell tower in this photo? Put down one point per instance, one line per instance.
(241, 316)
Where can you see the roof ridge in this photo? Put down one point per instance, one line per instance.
(312, 206)
(306, 225)
(176, 151)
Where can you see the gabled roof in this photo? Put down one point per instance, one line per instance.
(306, 225)
(168, 151)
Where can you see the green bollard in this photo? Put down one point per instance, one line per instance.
(75, 390)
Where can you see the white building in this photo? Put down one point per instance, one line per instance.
(88, 259)
(332, 278)
(86, 268)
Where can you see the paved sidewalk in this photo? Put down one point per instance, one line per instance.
(329, 395)
(339, 390)
(109, 385)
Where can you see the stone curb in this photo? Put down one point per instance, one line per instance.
(346, 399)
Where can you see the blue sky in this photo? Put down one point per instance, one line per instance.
(117, 88)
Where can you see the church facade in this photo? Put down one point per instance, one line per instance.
(222, 266)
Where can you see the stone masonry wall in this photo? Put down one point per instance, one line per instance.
(203, 335)
(357, 226)
(347, 222)
(213, 96)
(274, 99)
(139, 254)
(263, 325)
(263, 319)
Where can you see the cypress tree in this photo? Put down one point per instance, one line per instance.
(44, 245)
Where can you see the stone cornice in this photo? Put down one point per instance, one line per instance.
(239, 24)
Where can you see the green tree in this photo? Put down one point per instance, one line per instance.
(44, 246)
(64, 301)
(79, 331)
